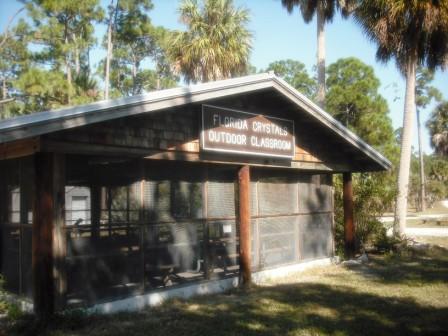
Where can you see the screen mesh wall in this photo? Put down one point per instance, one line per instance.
(134, 226)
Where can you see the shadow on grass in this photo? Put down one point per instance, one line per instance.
(411, 267)
(298, 309)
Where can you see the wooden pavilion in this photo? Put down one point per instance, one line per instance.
(177, 188)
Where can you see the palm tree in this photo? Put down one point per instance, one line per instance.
(413, 33)
(424, 94)
(216, 44)
(324, 11)
(438, 128)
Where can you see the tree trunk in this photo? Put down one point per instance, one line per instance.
(109, 52)
(134, 77)
(405, 154)
(320, 56)
(68, 71)
(4, 89)
(421, 164)
(77, 63)
(88, 58)
(69, 79)
(6, 33)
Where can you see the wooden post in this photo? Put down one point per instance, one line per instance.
(142, 224)
(349, 225)
(244, 217)
(206, 229)
(49, 248)
(95, 210)
(3, 210)
(59, 232)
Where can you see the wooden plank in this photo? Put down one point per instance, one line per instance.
(244, 219)
(49, 241)
(206, 227)
(154, 154)
(19, 148)
(3, 209)
(59, 236)
(333, 222)
(256, 232)
(95, 209)
(349, 224)
(25, 194)
(42, 241)
(142, 213)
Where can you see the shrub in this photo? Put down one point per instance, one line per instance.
(12, 310)
(373, 195)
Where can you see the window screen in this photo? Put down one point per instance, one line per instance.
(315, 235)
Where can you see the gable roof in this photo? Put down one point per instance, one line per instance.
(51, 121)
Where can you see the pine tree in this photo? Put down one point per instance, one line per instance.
(353, 99)
(295, 74)
(64, 29)
(134, 39)
(14, 59)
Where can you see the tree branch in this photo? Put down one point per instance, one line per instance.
(6, 35)
(5, 101)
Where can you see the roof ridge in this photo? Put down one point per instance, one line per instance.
(50, 121)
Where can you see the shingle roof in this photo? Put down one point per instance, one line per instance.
(51, 121)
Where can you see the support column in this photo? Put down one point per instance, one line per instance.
(59, 232)
(49, 241)
(95, 210)
(244, 218)
(3, 209)
(206, 229)
(349, 224)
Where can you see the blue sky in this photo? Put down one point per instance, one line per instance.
(279, 35)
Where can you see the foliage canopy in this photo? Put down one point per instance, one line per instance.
(216, 44)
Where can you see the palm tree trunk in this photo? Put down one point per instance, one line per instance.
(422, 166)
(405, 154)
(320, 55)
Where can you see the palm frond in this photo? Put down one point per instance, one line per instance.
(216, 44)
(406, 29)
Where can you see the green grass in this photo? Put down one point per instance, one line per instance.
(425, 223)
(428, 223)
(439, 241)
(423, 219)
(403, 294)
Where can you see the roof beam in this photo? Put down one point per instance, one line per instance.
(19, 148)
(154, 154)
